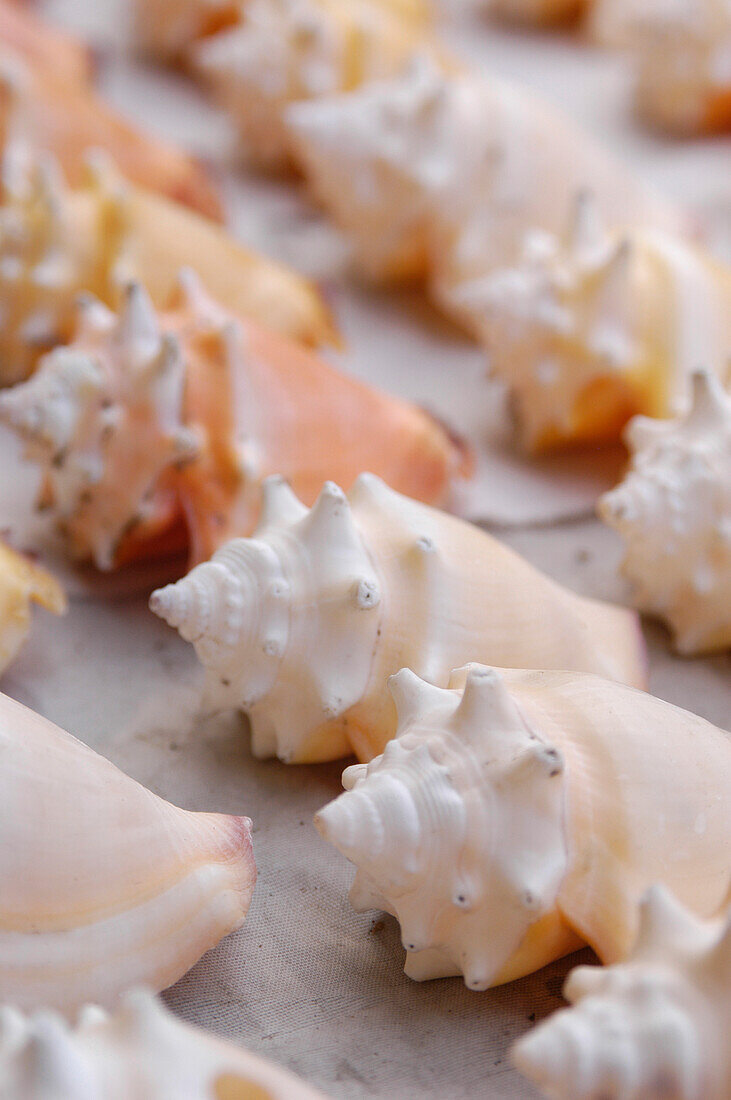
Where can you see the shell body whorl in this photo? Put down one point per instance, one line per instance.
(674, 511)
(140, 1049)
(653, 1027)
(400, 585)
(508, 821)
(104, 885)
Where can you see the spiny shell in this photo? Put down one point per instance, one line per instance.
(653, 1028)
(674, 511)
(302, 624)
(48, 109)
(146, 418)
(444, 171)
(681, 50)
(142, 1050)
(103, 884)
(167, 28)
(519, 814)
(588, 330)
(22, 583)
(289, 50)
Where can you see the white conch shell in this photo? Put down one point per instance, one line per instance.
(104, 420)
(442, 171)
(103, 885)
(588, 330)
(22, 583)
(520, 814)
(141, 1051)
(283, 51)
(48, 254)
(655, 1027)
(681, 49)
(674, 511)
(302, 624)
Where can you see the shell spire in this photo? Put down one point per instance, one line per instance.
(656, 1025)
(674, 512)
(507, 823)
(335, 600)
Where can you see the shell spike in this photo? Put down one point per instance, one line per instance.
(585, 225)
(174, 604)
(708, 400)
(642, 431)
(330, 515)
(411, 694)
(486, 704)
(281, 507)
(341, 824)
(138, 324)
(91, 317)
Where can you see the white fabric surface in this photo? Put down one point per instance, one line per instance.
(306, 981)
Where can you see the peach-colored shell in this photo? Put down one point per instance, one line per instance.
(147, 419)
(53, 106)
(22, 583)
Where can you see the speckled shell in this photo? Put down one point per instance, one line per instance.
(57, 242)
(157, 427)
(519, 814)
(680, 49)
(302, 624)
(22, 583)
(284, 51)
(674, 511)
(442, 172)
(103, 885)
(50, 108)
(142, 1050)
(653, 1028)
(592, 328)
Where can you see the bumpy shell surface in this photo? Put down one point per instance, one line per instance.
(681, 49)
(147, 417)
(21, 585)
(103, 884)
(141, 1050)
(443, 171)
(167, 28)
(288, 50)
(519, 814)
(653, 1028)
(589, 330)
(302, 624)
(41, 106)
(56, 242)
(674, 511)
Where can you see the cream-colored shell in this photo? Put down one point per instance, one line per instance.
(302, 624)
(519, 814)
(682, 53)
(140, 1052)
(22, 583)
(673, 510)
(592, 328)
(103, 885)
(655, 1027)
(445, 171)
(288, 50)
(103, 418)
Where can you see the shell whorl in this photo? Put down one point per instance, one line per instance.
(104, 418)
(272, 611)
(457, 828)
(655, 1026)
(674, 511)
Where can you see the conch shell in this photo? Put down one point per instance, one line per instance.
(104, 885)
(56, 242)
(142, 1050)
(674, 511)
(681, 50)
(146, 420)
(284, 51)
(441, 173)
(22, 583)
(302, 624)
(655, 1027)
(520, 814)
(590, 330)
(45, 106)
